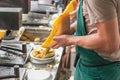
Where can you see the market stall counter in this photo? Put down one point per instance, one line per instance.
(42, 69)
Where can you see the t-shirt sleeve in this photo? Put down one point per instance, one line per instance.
(101, 10)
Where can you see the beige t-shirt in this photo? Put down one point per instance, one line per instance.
(98, 11)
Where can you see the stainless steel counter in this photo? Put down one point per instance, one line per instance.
(54, 71)
(31, 65)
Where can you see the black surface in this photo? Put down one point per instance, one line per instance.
(10, 18)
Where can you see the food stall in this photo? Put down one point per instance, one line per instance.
(18, 44)
(49, 66)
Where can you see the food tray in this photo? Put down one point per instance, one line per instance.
(33, 32)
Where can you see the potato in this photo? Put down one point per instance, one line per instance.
(35, 53)
(51, 51)
(38, 56)
(49, 55)
(37, 39)
(43, 52)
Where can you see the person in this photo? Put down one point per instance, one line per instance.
(97, 40)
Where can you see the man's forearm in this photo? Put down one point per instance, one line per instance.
(105, 39)
(92, 42)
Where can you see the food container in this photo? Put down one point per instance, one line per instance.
(41, 60)
(41, 55)
(29, 34)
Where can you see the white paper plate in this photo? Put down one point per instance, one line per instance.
(38, 75)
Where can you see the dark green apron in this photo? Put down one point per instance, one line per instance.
(90, 65)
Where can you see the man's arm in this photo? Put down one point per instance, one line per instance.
(106, 39)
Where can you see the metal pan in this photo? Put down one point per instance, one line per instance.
(30, 33)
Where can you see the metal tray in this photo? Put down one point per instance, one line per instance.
(42, 8)
(35, 19)
(33, 32)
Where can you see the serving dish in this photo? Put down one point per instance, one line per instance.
(41, 60)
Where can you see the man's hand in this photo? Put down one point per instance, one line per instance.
(63, 40)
